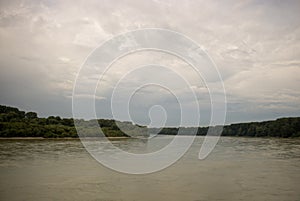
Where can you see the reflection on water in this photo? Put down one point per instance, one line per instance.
(238, 169)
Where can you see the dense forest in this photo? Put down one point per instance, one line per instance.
(16, 123)
(283, 127)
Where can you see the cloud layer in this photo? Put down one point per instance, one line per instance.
(256, 46)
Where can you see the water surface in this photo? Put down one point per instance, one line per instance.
(237, 169)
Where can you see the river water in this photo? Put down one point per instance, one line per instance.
(237, 169)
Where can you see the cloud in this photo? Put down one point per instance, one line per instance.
(90, 34)
(254, 44)
(64, 59)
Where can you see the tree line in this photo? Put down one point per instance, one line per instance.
(282, 127)
(16, 123)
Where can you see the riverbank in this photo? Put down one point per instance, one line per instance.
(66, 138)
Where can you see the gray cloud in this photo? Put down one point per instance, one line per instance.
(254, 44)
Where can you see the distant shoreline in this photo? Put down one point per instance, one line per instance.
(124, 138)
(62, 138)
(16, 124)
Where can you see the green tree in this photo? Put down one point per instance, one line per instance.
(31, 115)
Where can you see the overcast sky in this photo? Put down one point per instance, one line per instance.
(255, 44)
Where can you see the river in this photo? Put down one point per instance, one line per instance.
(237, 169)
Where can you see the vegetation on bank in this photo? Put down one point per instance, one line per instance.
(16, 123)
(283, 127)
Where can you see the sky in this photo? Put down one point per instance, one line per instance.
(254, 44)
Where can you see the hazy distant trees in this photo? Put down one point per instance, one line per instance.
(283, 127)
(15, 123)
